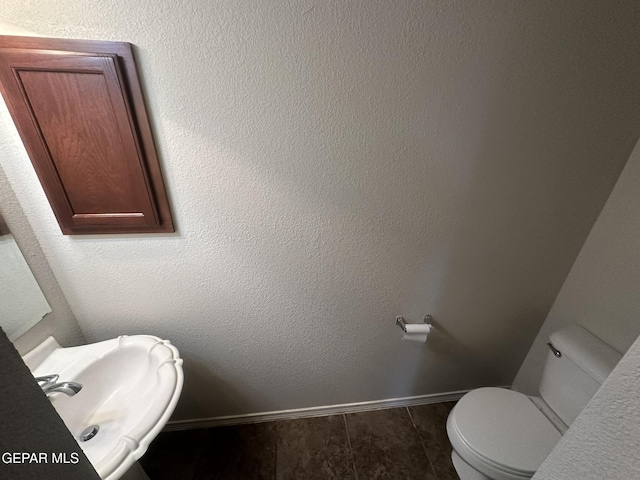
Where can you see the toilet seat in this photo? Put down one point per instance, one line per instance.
(501, 433)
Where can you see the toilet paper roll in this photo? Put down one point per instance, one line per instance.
(417, 332)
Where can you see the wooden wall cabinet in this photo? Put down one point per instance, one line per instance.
(79, 109)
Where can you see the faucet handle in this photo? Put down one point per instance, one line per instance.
(68, 388)
(47, 379)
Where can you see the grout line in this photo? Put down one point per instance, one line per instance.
(424, 447)
(275, 449)
(353, 458)
(410, 417)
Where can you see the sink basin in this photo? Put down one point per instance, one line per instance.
(131, 385)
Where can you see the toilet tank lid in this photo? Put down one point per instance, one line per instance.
(586, 350)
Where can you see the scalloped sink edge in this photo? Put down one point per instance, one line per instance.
(131, 385)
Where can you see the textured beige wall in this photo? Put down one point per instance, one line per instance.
(601, 291)
(332, 165)
(604, 440)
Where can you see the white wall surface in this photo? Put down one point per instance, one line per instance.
(601, 291)
(604, 440)
(334, 164)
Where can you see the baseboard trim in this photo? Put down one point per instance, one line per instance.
(314, 411)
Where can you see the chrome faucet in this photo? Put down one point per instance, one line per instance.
(50, 385)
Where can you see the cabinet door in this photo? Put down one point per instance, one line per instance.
(75, 116)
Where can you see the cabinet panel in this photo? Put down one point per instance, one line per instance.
(80, 114)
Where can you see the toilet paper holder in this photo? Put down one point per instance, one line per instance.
(403, 325)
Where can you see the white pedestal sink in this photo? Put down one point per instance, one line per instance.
(130, 387)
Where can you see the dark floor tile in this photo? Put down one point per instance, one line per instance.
(387, 446)
(174, 455)
(314, 448)
(246, 452)
(431, 422)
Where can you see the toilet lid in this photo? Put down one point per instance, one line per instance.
(504, 428)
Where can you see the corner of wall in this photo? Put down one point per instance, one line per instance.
(596, 293)
(61, 322)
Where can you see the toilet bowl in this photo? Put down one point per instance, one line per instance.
(501, 434)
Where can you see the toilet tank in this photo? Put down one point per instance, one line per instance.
(571, 377)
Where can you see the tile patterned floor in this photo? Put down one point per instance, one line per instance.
(395, 444)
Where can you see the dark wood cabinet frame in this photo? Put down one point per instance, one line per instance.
(79, 109)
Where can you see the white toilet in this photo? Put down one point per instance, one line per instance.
(501, 434)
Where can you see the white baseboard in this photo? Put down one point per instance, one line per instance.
(314, 411)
